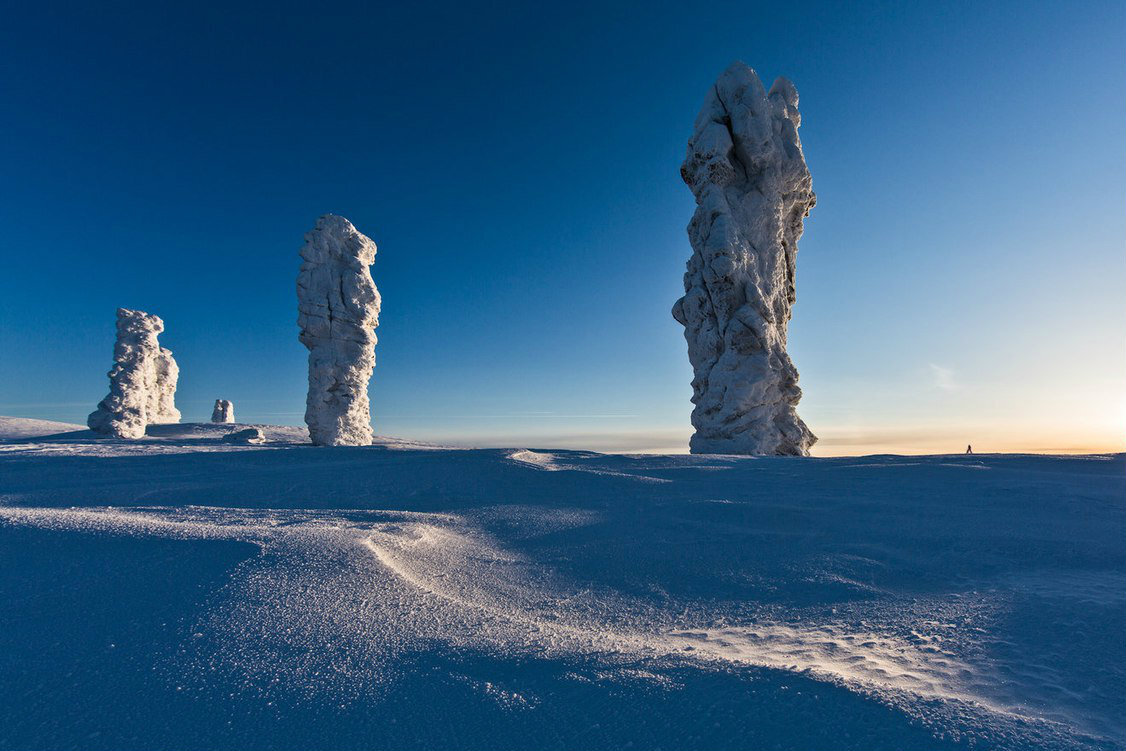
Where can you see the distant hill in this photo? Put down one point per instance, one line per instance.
(26, 427)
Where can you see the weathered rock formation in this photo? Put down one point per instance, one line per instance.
(753, 191)
(224, 411)
(142, 382)
(162, 400)
(338, 310)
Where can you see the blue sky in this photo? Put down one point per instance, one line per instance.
(961, 278)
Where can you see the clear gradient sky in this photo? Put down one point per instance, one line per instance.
(961, 279)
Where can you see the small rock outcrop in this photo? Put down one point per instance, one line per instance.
(753, 191)
(338, 310)
(142, 382)
(247, 436)
(224, 411)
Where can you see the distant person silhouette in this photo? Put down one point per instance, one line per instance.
(969, 449)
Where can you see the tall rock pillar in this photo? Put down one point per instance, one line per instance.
(142, 382)
(338, 310)
(753, 191)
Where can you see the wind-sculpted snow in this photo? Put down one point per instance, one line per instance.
(460, 586)
(245, 436)
(142, 382)
(753, 191)
(22, 428)
(28, 439)
(550, 463)
(941, 602)
(338, 310)
(334, 597)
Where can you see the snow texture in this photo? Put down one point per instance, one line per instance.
(142, 382)
(22, 428)
(279, 596)
(753, 190)
(247, 436)
(338, 310)
(162, 400)
(224, 411)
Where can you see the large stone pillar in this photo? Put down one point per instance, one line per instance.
(338, 310)
(753, 190)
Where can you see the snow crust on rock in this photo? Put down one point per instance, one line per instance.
(248, 435)
(338, 310)
(142, 382)
(162, 397)
(753, 191)
(224, 411)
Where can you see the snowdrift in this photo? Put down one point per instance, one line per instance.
(179, 591)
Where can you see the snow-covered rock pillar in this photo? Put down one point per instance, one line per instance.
(224, 411)
(338, 310)
(162, 400)
(142, 382)
(753, 191)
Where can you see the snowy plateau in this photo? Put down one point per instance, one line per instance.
(182, 591)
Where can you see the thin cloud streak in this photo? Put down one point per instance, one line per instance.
(943, 377)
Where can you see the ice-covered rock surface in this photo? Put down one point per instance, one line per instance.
(162, 401)
(338, 310)
(753, 191)
(247, 435)
(142, 382)
(224, 411)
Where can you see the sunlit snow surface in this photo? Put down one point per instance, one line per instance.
(180, 592)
